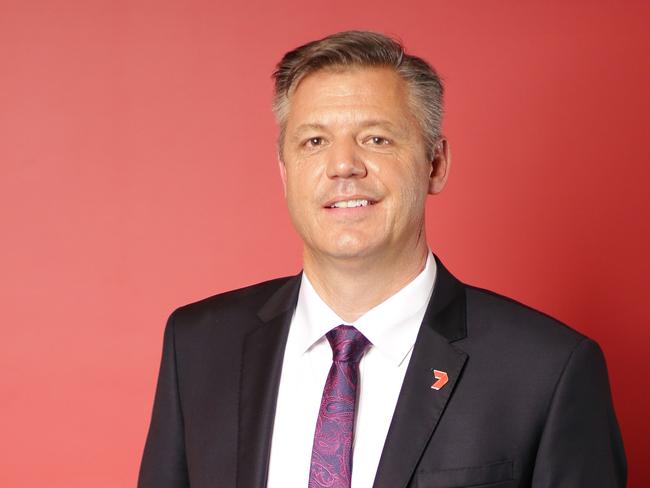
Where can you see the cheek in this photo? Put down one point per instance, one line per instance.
(411, 187)
(296, 201)
(301, 190)
(302, 187)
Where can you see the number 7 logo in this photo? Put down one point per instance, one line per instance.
(441, 378)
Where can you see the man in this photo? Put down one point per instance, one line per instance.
(375, 366)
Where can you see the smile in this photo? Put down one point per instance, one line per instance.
(351, 203)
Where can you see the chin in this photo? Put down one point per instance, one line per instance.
(349, 247)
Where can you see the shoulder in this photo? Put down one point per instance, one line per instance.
(496, 318)
(239, 305)
(530, 349)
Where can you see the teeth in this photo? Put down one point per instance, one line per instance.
(351, 204)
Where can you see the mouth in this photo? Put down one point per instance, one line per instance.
(350, 203)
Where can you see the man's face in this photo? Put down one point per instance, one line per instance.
(354, 168)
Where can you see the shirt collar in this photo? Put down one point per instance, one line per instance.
(390, 326)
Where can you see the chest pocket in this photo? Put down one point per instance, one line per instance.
(495, 475)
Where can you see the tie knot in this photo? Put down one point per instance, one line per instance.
(348, 344)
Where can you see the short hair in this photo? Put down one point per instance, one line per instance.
(363, 49)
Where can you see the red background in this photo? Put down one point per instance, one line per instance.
(138, 173)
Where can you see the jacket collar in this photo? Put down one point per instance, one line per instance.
(446, 290)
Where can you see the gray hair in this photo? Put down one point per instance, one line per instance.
(365, 49)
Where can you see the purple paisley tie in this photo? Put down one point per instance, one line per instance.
(331, 457)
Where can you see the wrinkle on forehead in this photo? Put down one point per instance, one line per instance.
(349, 97)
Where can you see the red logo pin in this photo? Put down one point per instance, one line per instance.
(441, 378)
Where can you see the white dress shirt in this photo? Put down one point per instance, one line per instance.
(391, 327)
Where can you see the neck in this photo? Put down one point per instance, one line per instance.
(352, 286)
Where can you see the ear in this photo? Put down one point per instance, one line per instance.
(283, 174)
(439, 167)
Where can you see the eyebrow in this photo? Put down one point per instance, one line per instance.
(383, 124)
(313, 126)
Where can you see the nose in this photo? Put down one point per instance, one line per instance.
(344, 161)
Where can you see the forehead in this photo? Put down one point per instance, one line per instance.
(350, 94)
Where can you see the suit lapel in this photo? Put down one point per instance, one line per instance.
(260, 378)
(419, 406)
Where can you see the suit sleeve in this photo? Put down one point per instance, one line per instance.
(581, 445)
(163, 461)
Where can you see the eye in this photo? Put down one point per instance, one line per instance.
(378, 141)
(314, 142)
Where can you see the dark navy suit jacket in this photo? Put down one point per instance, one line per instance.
(527, 403)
